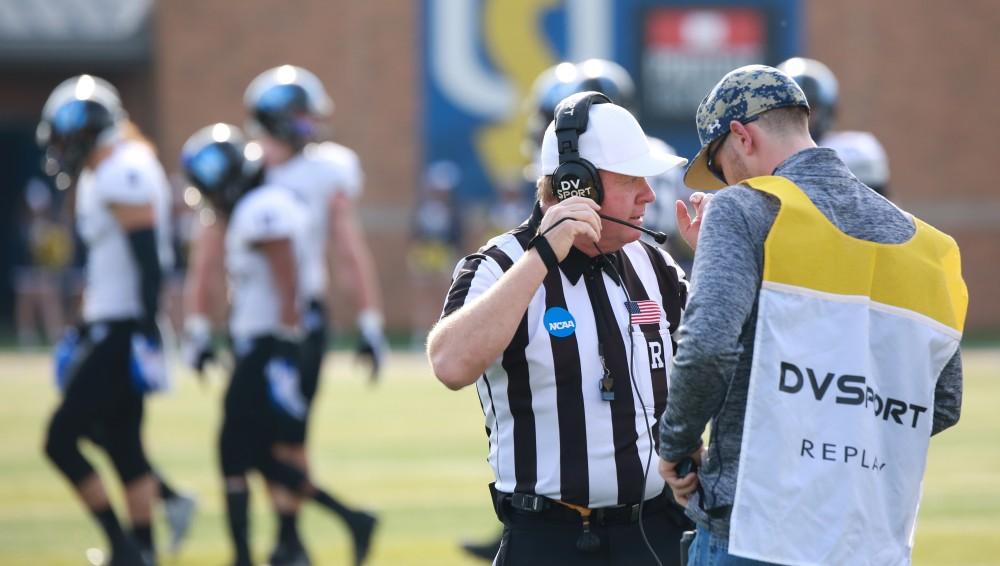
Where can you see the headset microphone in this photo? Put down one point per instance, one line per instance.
(660, 237)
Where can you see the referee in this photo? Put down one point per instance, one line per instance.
(564, 326)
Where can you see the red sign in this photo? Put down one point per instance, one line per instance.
(689, 49)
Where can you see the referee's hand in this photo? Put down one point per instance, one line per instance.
(564, 221)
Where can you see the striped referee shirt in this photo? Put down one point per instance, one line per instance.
(552, 429)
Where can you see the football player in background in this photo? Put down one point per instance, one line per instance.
(286, 107)
(265, 232)
(860, 151)
(107, 365)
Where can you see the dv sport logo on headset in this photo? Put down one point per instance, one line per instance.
(576, 176)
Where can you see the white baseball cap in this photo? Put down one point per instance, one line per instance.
(614, 141)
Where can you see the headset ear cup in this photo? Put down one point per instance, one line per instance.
(596, 180)
(577, 177)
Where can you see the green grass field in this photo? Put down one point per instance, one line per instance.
(413, 451)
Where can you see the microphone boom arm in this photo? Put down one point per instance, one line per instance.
(660, 237)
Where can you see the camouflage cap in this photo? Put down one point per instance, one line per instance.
(742, 94)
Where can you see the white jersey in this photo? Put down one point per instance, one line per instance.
(131, 175)
(314, 176)
(264, 214)
(552, 429)
(863, 155)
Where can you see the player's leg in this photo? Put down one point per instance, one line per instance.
(290, 447)
(235, 458)
(50, 305)
(288, 548)
(179, 508)
(122, 433)
(360, 523)
(86, 401)
(241, 440)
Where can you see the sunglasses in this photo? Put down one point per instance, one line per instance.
(713, 150)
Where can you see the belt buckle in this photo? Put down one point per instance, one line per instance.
(527, 502)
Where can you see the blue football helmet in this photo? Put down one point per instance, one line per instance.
(81, 113)
(285, 102)
(220, 162)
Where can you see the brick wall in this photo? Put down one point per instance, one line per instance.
(919, 75)
(364, 52)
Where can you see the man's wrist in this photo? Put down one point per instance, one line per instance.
(672, 453)
(541, 245)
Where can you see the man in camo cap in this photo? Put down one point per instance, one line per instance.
(743, 95)
(788, 476)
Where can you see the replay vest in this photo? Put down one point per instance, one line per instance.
(851, 338)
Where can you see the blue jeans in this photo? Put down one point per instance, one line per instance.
(710, 550)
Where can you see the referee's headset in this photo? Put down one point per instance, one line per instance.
(575, 175)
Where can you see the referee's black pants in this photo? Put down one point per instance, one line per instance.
(542, 539)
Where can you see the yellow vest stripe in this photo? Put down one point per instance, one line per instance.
(804, 249)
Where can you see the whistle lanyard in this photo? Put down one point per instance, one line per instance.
(606, 383)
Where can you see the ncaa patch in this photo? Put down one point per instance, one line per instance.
(559, 322)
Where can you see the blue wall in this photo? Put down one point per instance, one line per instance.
(479, 58)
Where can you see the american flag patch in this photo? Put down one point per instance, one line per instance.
(643, 312)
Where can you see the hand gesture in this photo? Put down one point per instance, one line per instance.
(687, 226)
(566, 220)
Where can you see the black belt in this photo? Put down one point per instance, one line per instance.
(562, 512)
(552, 510)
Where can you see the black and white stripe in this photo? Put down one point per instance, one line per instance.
(550, 432)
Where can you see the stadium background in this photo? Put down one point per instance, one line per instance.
(918, 76)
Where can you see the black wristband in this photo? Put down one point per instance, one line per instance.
(142, 243)
(548, 256)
